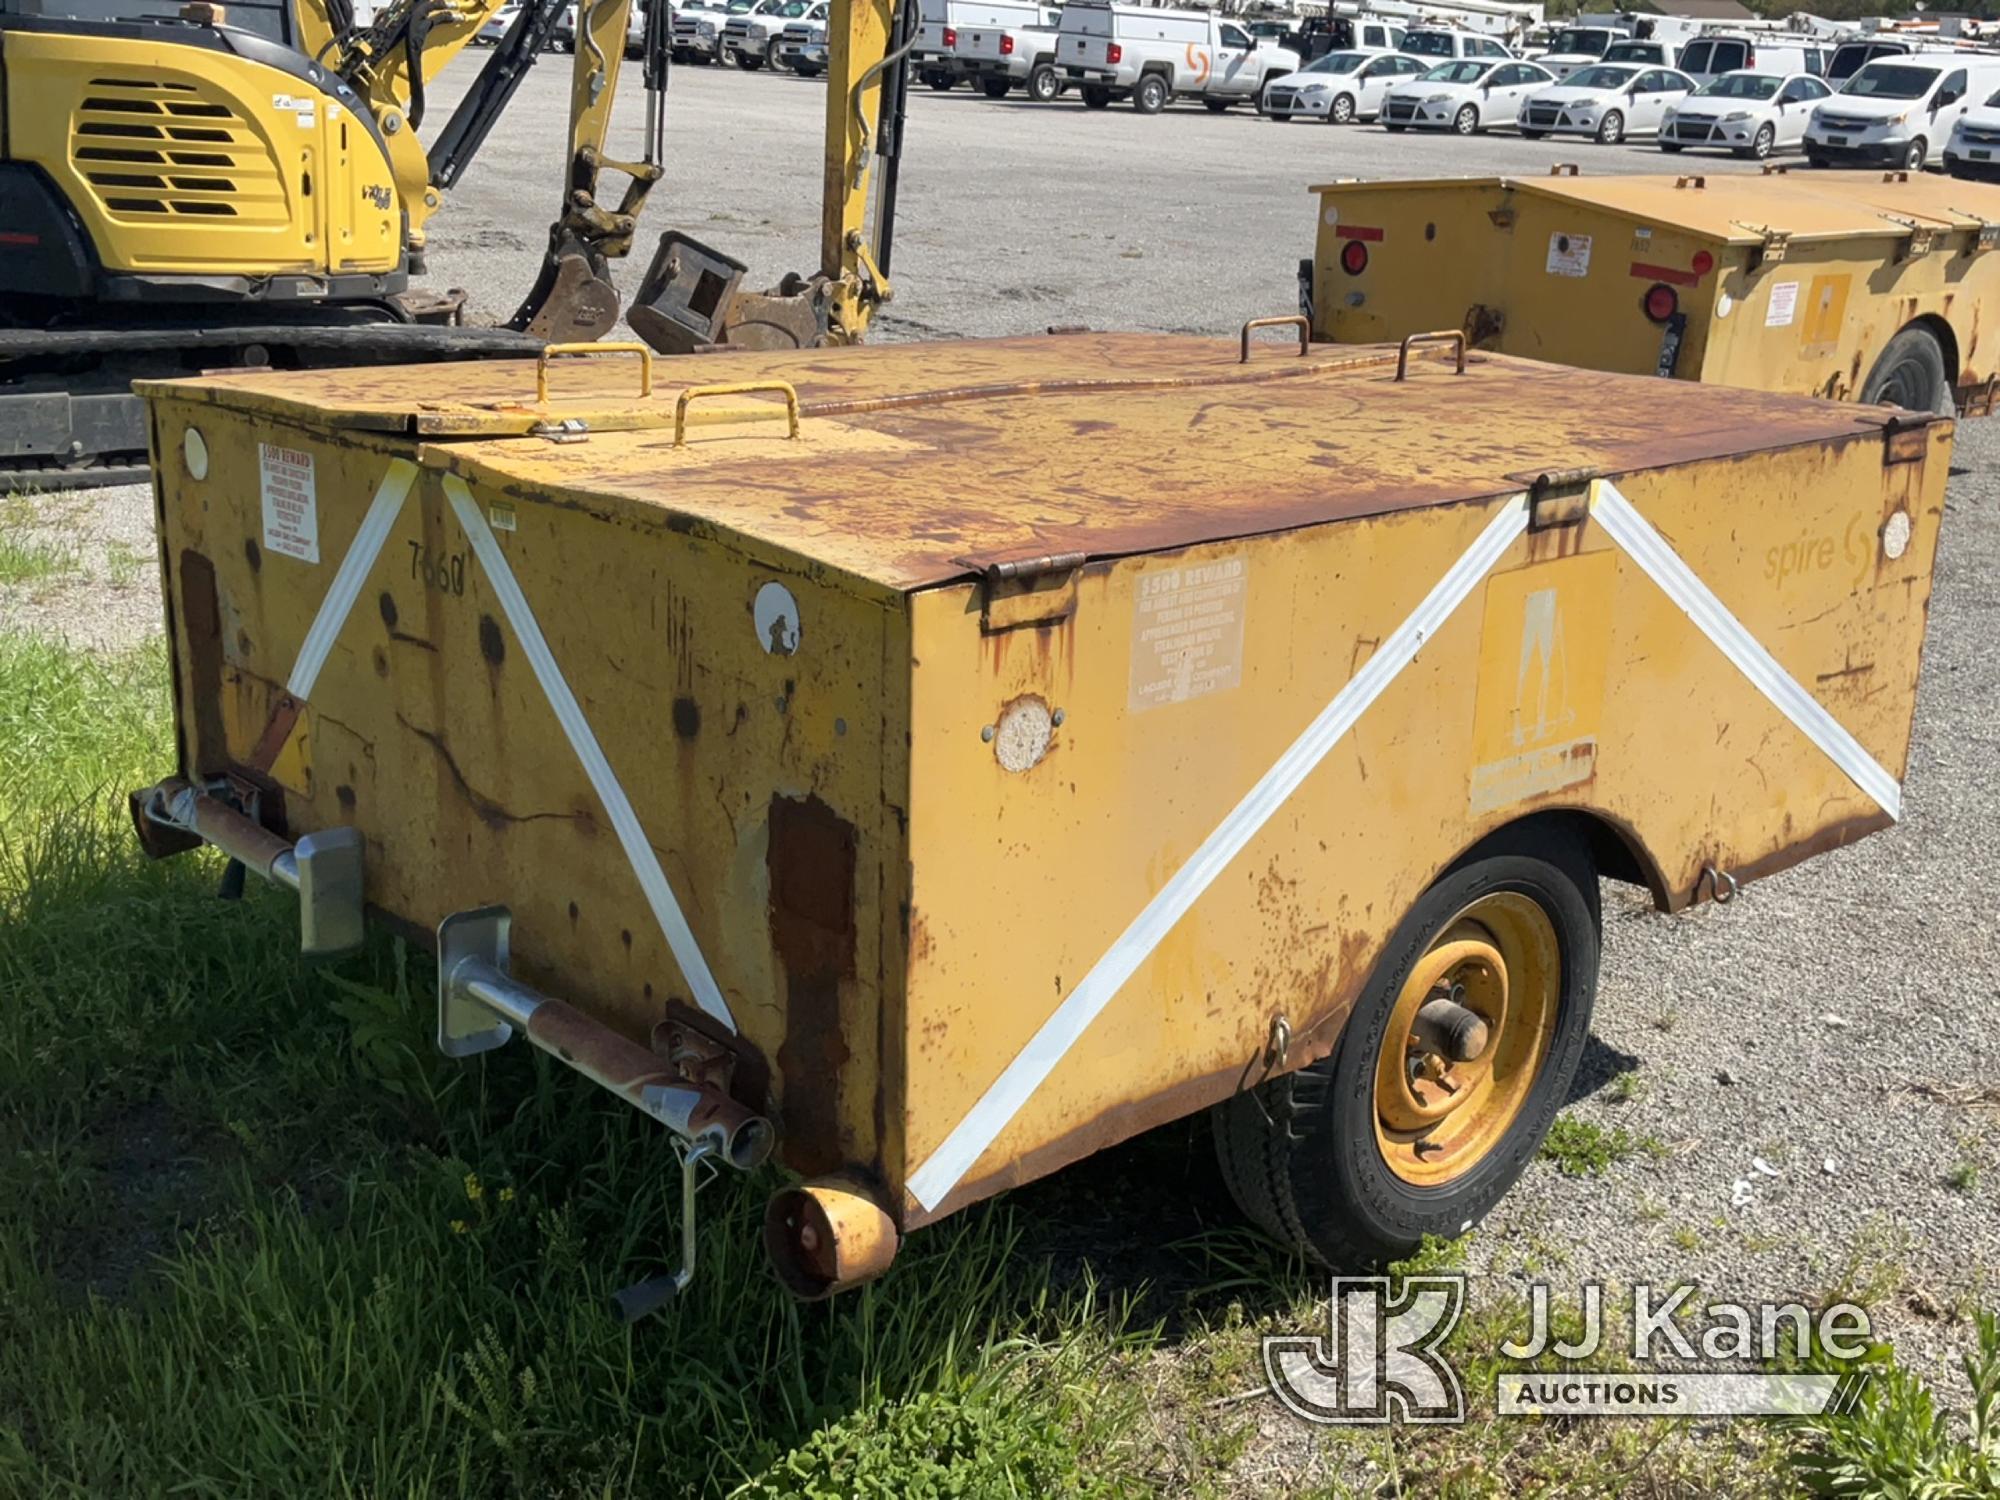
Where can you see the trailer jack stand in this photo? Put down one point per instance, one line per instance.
(481, 1006)
(324, 868)
(644, 1298)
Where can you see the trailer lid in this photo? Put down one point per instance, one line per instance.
(1737, 207)
(919, 464)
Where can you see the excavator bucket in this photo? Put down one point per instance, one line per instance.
(692, 299)
(573, 302)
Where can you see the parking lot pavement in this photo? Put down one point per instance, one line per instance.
(1012, 216)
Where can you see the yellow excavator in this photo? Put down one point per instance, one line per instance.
(248, 184)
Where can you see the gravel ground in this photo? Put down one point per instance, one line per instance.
(1846, 1002)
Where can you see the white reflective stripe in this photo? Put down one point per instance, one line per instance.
(624, 821)
(971, 1137)
(352, 573)
(1651, 552)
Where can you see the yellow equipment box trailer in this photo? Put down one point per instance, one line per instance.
(1859, 286)
(943, 761)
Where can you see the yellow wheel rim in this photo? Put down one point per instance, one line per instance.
(1437, 1116)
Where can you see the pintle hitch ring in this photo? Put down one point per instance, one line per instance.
(325, 868)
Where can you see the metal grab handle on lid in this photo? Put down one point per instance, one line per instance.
(1289, 320)
(744, 388)
(1455, 335)
(559, 351)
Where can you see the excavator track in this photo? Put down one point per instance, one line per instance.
(69, 420)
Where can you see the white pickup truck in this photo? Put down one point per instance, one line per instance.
(1150, 56)
(750, 38)
(1012, 44)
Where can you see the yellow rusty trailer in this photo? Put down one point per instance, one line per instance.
(1859, 286)
(947, 760)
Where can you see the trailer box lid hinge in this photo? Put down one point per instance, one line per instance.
(1772, 243)
(1557, 498)
(1026, 591)
(1922, 237)
(1985, 234)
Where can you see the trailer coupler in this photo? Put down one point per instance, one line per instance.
(481, 1006)
(324, 868)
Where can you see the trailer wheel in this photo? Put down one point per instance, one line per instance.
(1150, 97)
(1096, 96)
(1043, 85)
(995, 88)
(1911, 374)
(1454, 1061)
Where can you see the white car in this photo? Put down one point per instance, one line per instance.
(1751, 114)
(1974, 147)
(1340, 87)
(1468, 96)
(1606, 102)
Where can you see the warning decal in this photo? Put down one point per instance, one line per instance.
(1569, 254)
(1783, 306)
(291, 508)
(1187, 631)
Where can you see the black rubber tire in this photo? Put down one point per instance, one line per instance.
(1149, 95)
(1914, 156)
(1299, 1152)
(1394, 129)
(1096, 96)
(1466, 121)
(1264, 94)
(749, 62)
(1611, 129)
(995, 88)
(1672, 148)
(1532, 135)
(1044, 84)
(1217, 106)
(1911, 373)
(942, 82)
(1341, 111)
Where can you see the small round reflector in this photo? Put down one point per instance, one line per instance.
(1354, 257)
(1661, 302)
(1702, 263)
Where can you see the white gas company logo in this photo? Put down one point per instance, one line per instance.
(1383, 1359)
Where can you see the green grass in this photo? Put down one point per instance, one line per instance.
(30, 560)
(1579, 1148)
(257, 1238)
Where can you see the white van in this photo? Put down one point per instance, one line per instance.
(1442, 44)
(1150, 56)
(1576, 47)
(1849, 56)
(1899, 111)
(1707, 58)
